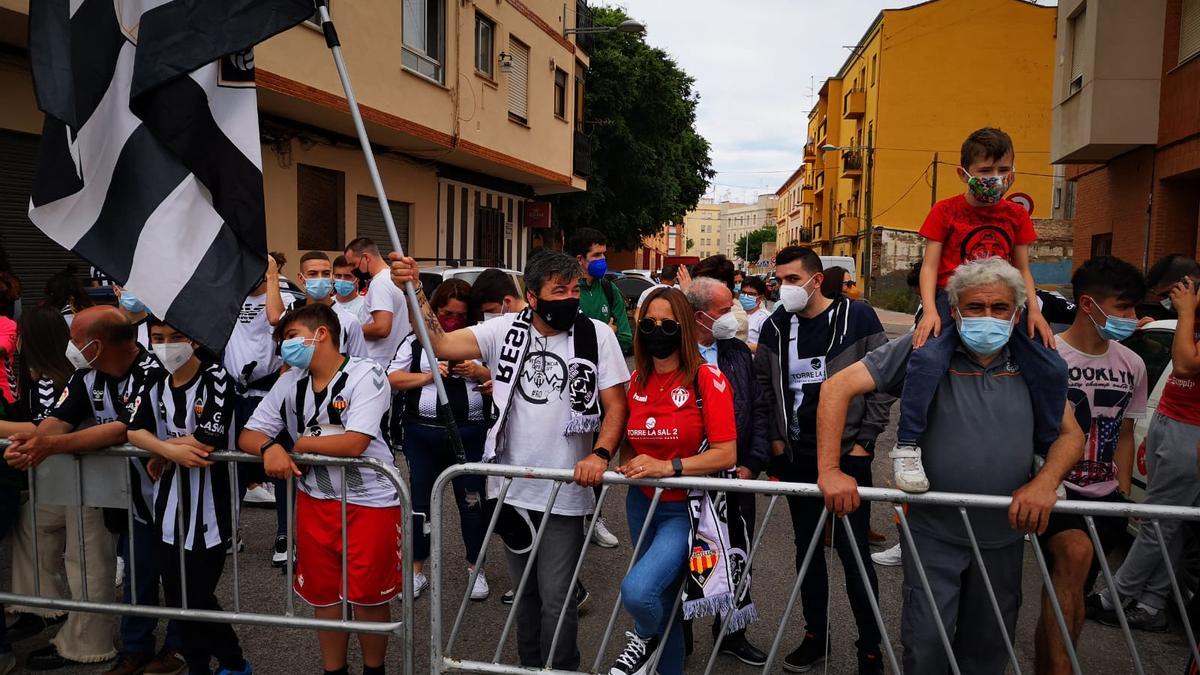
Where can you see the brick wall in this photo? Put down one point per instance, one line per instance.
(1112, 199)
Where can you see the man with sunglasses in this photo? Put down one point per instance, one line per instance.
(808, 338)
(716, 328)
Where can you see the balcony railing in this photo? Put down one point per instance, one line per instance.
(852, 164)
(854, 104)
(810, 151)
(583, 20)
(581, 155)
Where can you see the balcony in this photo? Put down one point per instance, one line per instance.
(810, 151)
(820, 185)
(1106, 106)
(852, 164)
(850, 224)
(854, 104)
(583, 20)
(581, 155)
(805, 234)
(806, 195)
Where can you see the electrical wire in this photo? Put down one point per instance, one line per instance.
(910, 189)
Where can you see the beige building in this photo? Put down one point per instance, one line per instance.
(475, 107)
(739, 220)
(702, 229)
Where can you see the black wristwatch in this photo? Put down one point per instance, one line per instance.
(262, 449)
(603, 454)
(677, 464)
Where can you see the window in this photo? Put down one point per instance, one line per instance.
(1069, 202)
(1189, 30)
(485, 46)
(320, 208)
(874, 63)
(560, 93)
(424, 37)
(518, 82)
(580, 77)
(1101, 244)
(1078, 44)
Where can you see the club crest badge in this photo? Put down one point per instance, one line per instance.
(679, 396)
(702, 559)
(198, 406)
(340, 403)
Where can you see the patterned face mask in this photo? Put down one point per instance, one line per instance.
(988, 189)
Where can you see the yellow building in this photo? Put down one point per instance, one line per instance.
(702, 229)
(789, 210)
(477, 107)
(915, 85)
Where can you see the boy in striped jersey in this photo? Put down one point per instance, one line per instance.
(182, 419)
(331, 404)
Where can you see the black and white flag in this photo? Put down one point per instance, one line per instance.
(150, 164)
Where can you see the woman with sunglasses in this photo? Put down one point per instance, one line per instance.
(667, 431)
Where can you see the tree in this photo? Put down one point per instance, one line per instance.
(690, 245)
(649, 165)
(757, 238)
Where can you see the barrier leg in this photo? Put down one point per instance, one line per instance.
(132, 571)
(83, 576)
(1112, 589)
(991, 592)
(435, 557)
(941, 627)
(529, 563)
(787, 610)
(181, 536)
(233, 529)
(33, 531)
(1048, 585)
(288, 588)
(345, 556)
(862, 571)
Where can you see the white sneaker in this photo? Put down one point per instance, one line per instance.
(909, 473)
(480, 590)
(120, 572)
(602, 537)
(263, 493)
(891, 557)
(420, 583)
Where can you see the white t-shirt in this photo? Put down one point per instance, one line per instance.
(539, 409)
(357, 307)
(250, 353)
(755, 321)
(382, 295)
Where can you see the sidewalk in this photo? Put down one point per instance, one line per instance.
(894, 323)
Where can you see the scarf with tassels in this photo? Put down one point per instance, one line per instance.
(582, 378)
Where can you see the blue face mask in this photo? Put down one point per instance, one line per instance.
(318, 288)
(748, 302)
(597, 268)
(737, 288)
(131, 303)
(297, 352)
(984, 335)
(343, 287)
(1115, 327)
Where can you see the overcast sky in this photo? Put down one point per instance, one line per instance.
(754, 62)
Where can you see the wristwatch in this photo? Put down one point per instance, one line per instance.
(262, 449)
(602, 453)
(677, 464)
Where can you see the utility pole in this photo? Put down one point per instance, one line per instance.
(933, 193)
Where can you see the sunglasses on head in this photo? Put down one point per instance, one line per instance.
(647, 325)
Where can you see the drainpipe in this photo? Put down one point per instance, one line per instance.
(1149, 211)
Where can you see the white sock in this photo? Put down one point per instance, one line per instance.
(1152, 611)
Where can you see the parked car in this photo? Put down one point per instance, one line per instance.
(646, 274)
(632, 287)
(1153, 344)
(433, 276)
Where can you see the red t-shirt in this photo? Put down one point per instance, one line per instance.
(1181, 398)
(664, 421)
(974, 232)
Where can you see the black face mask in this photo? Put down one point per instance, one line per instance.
(362, 276)
(659, 343)
(558, 314)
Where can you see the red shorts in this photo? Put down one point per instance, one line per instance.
(372, 559)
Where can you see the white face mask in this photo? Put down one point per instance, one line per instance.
(488, 316)
(76, 357)
(724, 326)
(174, 354)
(795, 298)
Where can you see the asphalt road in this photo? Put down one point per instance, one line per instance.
(281, 651)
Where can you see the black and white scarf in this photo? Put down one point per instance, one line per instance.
(583, 378)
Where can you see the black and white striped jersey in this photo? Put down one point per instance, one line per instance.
(92, 398)
(40, 399)
(466, 402)
(354, 400)
(200, 498)
(352, 342)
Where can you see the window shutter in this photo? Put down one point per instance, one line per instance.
(320, 212)
(371, 223)
(1189, 30)
(1077, 44)
(518, 81)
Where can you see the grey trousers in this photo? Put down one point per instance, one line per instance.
(1172, 478)
(960, 593)
(546, 593)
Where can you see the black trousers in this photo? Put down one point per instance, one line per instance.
(202, 640)
(814, 589)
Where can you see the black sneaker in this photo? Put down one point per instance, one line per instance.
(582, 597)
(279, 555)
(810, 652)
(507, 598)
(28, 625)
(737, 646)
(635, 658)
(1140, 618)
(870, 663)
(1094, 609)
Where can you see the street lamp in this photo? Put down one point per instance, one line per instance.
(869, 151)
(626, 26)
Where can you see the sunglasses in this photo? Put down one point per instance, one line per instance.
(647, 325)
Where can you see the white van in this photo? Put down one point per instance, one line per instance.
(843, 261)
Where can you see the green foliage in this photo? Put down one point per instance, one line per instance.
(649, 164)
(690, 244)
(757, 239)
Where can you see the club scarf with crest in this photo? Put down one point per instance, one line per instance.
(582, 384)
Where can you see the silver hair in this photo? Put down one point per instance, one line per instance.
(982, 273)
(703, 293)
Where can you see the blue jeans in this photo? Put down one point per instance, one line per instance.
(1044, 372)
(650, 589)
(137, 632)
(428, 456)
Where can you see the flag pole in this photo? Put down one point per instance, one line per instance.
(335, 46)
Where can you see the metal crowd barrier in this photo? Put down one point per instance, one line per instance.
(402, 629)
(442, 652)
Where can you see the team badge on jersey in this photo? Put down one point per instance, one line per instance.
(198, 406)
(339, 403)
(680, 396)
(62, 398)
(133, 408)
